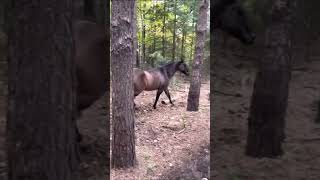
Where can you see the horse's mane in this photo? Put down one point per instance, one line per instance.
(168, 64)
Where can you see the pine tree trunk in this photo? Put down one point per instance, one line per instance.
(143, 35)
(135, 42)
(164, 30)
(192, 39)
(41, 109)
(182, 44)
(154, 29)
(269, 101)
(89, 9)
(174, 31)
(194, 90)
(122, 57)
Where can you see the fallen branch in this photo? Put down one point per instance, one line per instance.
(181, 130)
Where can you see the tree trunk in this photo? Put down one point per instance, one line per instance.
(174, 31)
(135, 42)
(269, 101)
(194, 90)
(143, 35)
(192, 39)
(89, 9)
(164, 30)
(154, 27)
(101, 11)
(41, 122)
(182, 44)
(122, 57)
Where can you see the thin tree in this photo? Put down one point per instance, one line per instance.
(164, 29)
(154, 31)
(135, 43)
(194, 90)
(182, 43)
(40, 124)
(174, 31)
(269, 101)
(193, 27)
(143, 31)
(89, 10)
(122, 57)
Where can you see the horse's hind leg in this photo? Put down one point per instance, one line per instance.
(168, 95)
(157, 98)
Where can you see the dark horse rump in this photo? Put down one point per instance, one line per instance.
(157, 79)
(91, 63)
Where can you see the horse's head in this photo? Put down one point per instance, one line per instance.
(230, 17)
(182, 67)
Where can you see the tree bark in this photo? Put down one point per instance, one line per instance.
(174, 31)
(182, 44)
(154, 30)
(164, 30)
(122, 57)
(192, 39)
(194, 90)
(89, 10)
(135, 41)
(41, 122)
(269, 101)
(143, 33)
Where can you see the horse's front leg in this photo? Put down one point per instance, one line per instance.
(157, 97)
(168, 95)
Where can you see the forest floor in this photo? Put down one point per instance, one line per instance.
(171, 143)
(234, 77)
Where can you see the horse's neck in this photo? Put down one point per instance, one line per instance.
(171, 71)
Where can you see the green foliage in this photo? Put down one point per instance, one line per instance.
(158, 39)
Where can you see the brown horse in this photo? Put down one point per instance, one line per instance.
(157, 79)
(91, 63)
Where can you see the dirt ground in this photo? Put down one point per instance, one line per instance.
(234, 77)
(171, 143)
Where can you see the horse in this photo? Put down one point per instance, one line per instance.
(91, 64)
(157, 79)
(230, 17)
(91, 57)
